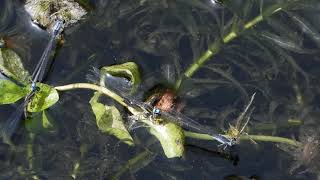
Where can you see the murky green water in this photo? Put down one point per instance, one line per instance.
(276, 58)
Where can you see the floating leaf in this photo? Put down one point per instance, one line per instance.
(10, 92)
(40, 122)
(43, 99)
(171, 137)
(128, 70)
(11, 66)
(109, 120)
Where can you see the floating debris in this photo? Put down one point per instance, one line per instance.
(307, 155)
(2, 43)
(42, 11)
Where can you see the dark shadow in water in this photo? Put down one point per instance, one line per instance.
(229, 156)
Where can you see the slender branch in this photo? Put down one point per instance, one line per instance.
(215, 47)
(273, 139)
(134, 111)
(101, 89)
(108, 93)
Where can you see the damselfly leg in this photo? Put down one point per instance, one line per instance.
(12, 123)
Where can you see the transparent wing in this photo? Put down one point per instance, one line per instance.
(12, 123)
(184, 121)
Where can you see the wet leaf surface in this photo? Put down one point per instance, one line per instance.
(10, 92)
(109, 120)
(40, 122)
(12, 66)
(128, 70)
(171, 138)
(43, 99)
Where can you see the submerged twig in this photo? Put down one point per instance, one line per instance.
(273, 139)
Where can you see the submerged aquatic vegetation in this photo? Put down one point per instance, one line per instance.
(307, 155)
(244, 59)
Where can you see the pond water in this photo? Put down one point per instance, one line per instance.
(277, 58)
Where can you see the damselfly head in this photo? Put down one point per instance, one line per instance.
(156, 112)
(56, 25)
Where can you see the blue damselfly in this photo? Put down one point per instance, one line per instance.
(14, 120)
(172, 116)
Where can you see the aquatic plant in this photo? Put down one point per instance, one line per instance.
(306, 155)
(274, 45)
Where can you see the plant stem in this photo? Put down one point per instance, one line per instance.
(215, 47)
(108, 93)
(273, 139)
(134, 111)
(30, 154)
(101, 89)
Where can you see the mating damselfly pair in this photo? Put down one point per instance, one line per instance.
(11, 124)
(152, 112)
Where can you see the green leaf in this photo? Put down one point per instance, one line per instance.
(171, 137)
(10, 92)
(128, 70)
(109, 120)
(43, 99)
(40, 122)
(12, 66)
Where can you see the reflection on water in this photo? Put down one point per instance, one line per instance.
(157, 33)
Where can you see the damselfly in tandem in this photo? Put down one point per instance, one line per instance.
(153, 113)
(183, 121)
(10, 126)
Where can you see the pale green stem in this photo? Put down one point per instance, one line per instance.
(215, 47)
(108, 93)
(134, 111)
(101, 89)
(273, 139)
(30, 150)
(30, 154)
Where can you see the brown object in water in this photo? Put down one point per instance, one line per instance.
(167, 100)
